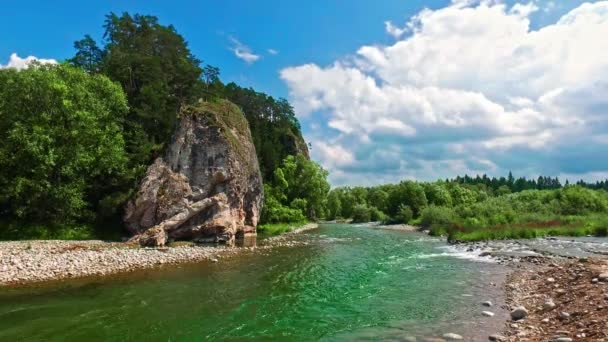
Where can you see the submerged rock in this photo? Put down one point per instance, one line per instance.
(206, 187)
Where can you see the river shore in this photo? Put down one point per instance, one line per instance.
(26, 262)
(565, 301)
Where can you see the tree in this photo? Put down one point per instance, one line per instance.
(334, 205)
(404, 214)
(62, 142)
(211, 74)
(301, 184)
(407, 193)
(88, 55)
(156, 70)
(361, 213)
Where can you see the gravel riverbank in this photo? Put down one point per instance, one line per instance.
(563, 301)
(23, 262)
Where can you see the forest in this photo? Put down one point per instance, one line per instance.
(79, 136)
(479, 208)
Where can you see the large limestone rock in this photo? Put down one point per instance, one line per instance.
(207, 187)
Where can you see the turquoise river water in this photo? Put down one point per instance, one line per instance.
(338, 283)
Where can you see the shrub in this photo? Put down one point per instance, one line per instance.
(361, 213)
(437, 216)
(404, 214)
(376, 215)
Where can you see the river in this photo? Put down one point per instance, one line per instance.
(338, 283)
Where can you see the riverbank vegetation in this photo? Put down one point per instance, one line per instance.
(468, 211)
(79, 136)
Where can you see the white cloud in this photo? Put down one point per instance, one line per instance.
(471, 77)
(273, 51)
(393, 30)
(22, 63)
(243, 52)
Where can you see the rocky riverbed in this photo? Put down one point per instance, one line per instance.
(559, 301)
(23, 262)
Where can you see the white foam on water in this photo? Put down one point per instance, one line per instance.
(458, 253)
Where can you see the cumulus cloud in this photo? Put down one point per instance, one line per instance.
(273, 51)
(470, 88)
(19, 63)
(393, 30)
(243, 52)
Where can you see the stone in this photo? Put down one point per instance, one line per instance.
(562, 339)
(564, 315)
(488, 314)
(518, 313)
(603, 277)
(207, 185)
(550, 280)
(452, 337)
(545, 320)
(487, 303)
(548, 305)
(497, 337)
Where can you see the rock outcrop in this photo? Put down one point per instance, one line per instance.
(207, 187)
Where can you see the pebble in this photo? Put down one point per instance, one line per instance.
(487, 303)
(452, 337)
(548, 305)
(603, 277)
(518, 313)
(562, 339)
(564, 315)
(550, 280)
(497, 338)
(488, 314)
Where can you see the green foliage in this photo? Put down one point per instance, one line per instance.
(377, 215)
(48, 231)
(61, 130)
(361, 214)
(404, 214)
(334, 205)
(298, 191)
(275, 212)
(406, 193)
(435, 216)
(279, 228)
(275, 130)
(156, 70)
(576, 200)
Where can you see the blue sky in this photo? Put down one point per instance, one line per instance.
(448, 87)
(301, 31)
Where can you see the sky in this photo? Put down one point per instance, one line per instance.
(393, 89)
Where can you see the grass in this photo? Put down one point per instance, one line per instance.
(568, 226)
(278, 228)
(25, 231)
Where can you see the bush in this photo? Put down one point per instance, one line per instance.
(437, 216)
(275, 212)
(361, 213)
(376, 215)
(404, 214)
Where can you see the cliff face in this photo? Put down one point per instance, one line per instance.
(208, 185)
